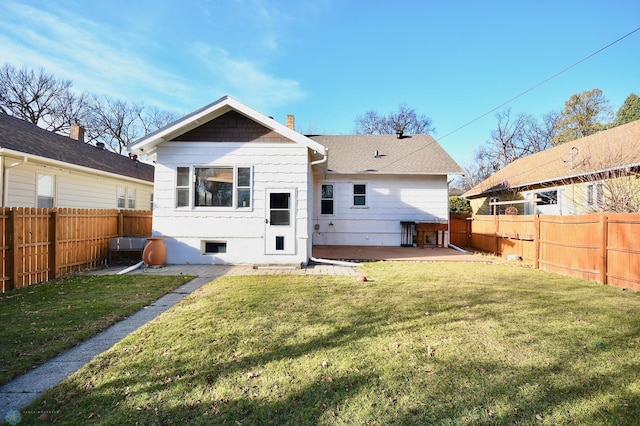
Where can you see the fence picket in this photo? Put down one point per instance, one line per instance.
(41, 244)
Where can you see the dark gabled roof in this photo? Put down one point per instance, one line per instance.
(412, 154)
(611, 149)
(19, 135)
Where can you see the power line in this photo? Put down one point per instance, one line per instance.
(523, 93)
(541, 83)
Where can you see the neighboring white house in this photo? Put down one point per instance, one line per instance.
(39, 168)
(235, 186)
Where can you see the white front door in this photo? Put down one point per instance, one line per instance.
(280, 232)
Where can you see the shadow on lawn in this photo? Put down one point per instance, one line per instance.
(459, 390)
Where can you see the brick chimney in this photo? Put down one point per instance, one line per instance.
(77, 133)
(291, 121)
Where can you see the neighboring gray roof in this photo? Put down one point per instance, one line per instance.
(413, 154)
(19, 135)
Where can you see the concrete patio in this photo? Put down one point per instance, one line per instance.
(393, 253)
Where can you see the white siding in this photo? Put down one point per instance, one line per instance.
(390, 200)
(275, 166)
(73, 189)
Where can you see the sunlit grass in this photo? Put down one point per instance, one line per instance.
(459, 344)
(40, 321)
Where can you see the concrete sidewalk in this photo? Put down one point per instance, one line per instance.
(24, 389)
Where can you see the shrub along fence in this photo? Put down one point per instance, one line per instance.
(602, 247)
(42, 244)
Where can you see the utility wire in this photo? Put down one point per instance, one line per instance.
(523, 93)
(541, 83)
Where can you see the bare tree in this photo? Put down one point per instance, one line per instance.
(115, 123)
(405, 121)
(39, 98)
(611, 182)
(153, 118)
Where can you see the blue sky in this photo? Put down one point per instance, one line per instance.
(328, 61)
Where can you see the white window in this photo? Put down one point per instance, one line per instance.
(218, 186)
(131, 198)
(326, 199)
(46, 191)
(182, 187)
(359, 194)
(595, 195)
(243, 187)
(122, 196)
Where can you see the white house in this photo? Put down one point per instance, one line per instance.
(235, 186)
(39, 168)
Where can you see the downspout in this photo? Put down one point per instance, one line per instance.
(5, 177)
(322, 160)
(310, 240)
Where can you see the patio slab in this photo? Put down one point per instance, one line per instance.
(391, 253)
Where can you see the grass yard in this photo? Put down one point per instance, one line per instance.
(41, 321)
(420, 343)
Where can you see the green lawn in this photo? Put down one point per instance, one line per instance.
(41, 321)
(419, 343)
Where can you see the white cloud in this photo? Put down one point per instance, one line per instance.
(245, 80)
(95, 57)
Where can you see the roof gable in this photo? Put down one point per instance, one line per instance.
(386, 154)
(607, 150)
(23, 137)
(232, 127)
(199, 124)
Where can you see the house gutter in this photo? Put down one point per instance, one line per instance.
(69, 166)
(322, 160)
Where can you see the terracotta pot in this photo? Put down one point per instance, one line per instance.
(155, 252)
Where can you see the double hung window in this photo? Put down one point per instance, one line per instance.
(359, 194)
(326, 199)
(46, 191)
(595, 195)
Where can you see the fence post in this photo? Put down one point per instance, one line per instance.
(604, 224)
(496, 228)
(14, 247)
(53, 245)
(120, 224)
(536, 241)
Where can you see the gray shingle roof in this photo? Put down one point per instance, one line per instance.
(413, 154)
(19, 135)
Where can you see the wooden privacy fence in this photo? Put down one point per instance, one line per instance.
(602, 247)
(42, 244)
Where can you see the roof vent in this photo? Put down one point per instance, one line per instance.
(100, 145)
(399, 133)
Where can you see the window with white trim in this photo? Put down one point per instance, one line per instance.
(131, 198)
(214, 186)
(359, 194)
(46, 191)
(122, 197)
(182, 187)
(326, 199)
(595, 195)
(243, 187)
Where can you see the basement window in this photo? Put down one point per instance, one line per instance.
(214, 247)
